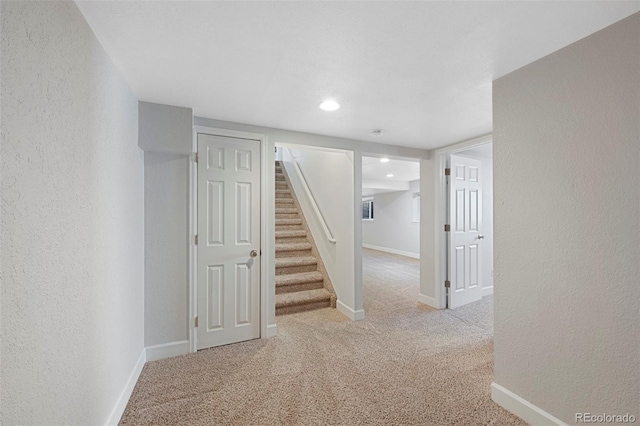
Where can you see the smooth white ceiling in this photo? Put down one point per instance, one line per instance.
(422, 71)
(402, 170)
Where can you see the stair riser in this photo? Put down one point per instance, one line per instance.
(302, 308)
(292, 288)
(283, 206)
(291, 240)
(282, 185)
(293, 253)
(288, 227)
(288, 222)
(286, 202)
(280, 178)
(286, 194)
(285, 270)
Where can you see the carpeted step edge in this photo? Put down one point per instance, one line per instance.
(291, 233)
(303, 299)
(293, 247)
(300, 278)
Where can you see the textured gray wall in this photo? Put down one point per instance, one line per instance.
(166, 234)
(166, 137)
(567, 203)
(165, 128)
(72, 221)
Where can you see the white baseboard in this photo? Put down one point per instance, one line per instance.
(428, 300)
(123, 399)
(350, 313)
(521, 407)
(393, 251)
(272, 331)
(167, 350)
(487, 291)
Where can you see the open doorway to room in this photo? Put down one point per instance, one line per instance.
(468, 253)
(390, 233)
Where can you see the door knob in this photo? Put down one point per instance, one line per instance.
(481, 237)
(253, 253)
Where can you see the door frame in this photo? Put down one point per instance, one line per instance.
(267, 235)
(441, 157)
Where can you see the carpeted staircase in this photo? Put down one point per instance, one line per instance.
(302, 283)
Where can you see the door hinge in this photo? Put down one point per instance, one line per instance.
(196, 157)
(196, 322)
(196, 239)
(447, 172)
(447, 284)
(447, 228)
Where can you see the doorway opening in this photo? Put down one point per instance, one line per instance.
(390, 231)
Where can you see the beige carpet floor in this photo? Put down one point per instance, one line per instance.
(406, 364)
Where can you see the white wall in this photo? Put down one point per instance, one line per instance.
(165, 128)
(567, 203)
(329, 176)
(72, 221)
(431, 277)
(281, 136)
(392, 227)
(166, 248)
(166, 137)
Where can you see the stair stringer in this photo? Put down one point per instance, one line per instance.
(314, 249)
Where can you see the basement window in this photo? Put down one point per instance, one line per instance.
(367, 209)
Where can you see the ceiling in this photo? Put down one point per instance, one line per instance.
(402, 170)
(375, 180)
(422, 71)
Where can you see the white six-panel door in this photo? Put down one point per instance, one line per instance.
(228, 230)
(465, 238)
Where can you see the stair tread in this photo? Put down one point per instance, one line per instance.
(290, 233)
(299, 278)
(286, 210)
(284, 200)
(302, 297)
(288, 221)
(285, 262)
(292, 246)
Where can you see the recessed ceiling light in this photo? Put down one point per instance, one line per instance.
(384, 160)
(329, 105)
(389, 175)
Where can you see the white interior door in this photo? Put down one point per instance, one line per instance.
(229, 240)
(465, 239)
